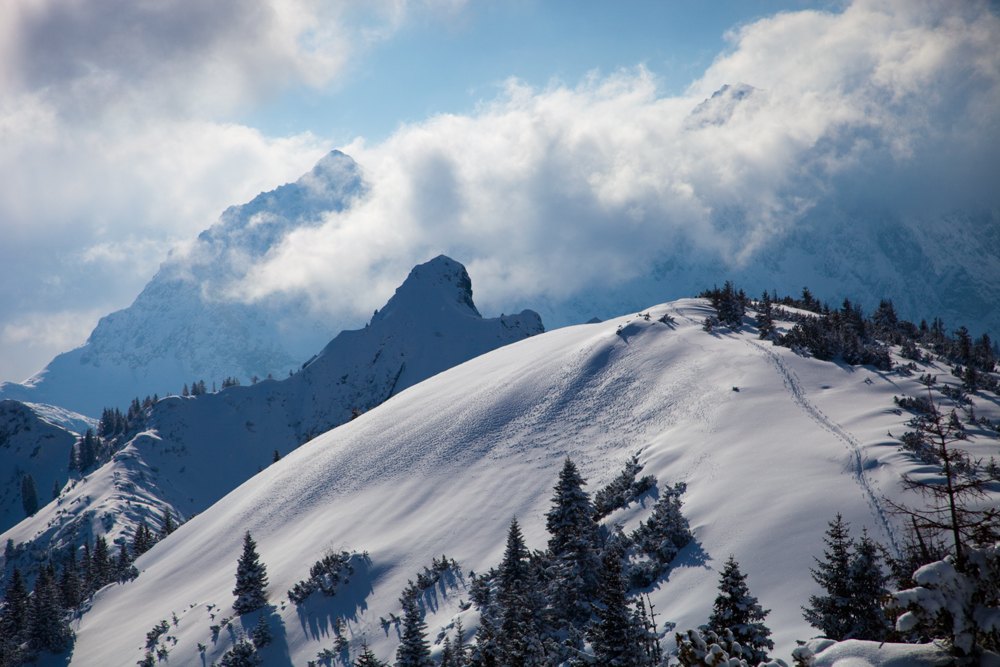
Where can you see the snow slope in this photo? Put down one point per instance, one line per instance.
(443, 467)
(181, 328)
(34, 440)
(191, 451)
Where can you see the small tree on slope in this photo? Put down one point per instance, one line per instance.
(413, 651)
(950, 507)
(831, 613)
(573, 545)
(737, 610)
(611, 632)
(251, 579)
(868, 591)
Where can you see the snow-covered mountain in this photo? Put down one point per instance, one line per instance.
(181, 328)
(188, 452)
(771, 444)
(186, 326)
(34, 440)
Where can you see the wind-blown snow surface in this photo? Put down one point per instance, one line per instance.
(183, 328)
(191, 451)
(445, 465)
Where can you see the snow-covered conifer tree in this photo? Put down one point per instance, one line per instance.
(573, 545)
(167, 524)
(143, 540)
(251, 579)
(413, 651)
(367, 658)
(520, 630)
(14, 614)
(70, 586)
(666, 531)
(832, 613)
(29, 495)
(612, 635)
(261, 633)
(868, 591)
(737, 610)
(47, 629)
(765, 316)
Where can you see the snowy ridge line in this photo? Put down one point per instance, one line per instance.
(853, 446)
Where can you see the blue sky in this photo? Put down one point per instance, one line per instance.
(449, 63)
(540, 129)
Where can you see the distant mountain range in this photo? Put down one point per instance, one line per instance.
(183, 327)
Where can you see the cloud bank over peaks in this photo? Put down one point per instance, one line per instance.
(884, 108)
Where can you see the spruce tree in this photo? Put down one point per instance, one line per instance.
(14, 614)
(832, 613)
(611, 632)
(70, 586)
(573, 545)
(666, 531)
(368, 659)
(413, 650)
(101, 565)
(242, 654)
(261, 633)
(123, 565)
(737, 610)
(520, 631)
(143, 540)
(56, 489)
(47, 629)
(29, 495)
(251, 579)
(868, 591)
(167, 524)
(765, 317)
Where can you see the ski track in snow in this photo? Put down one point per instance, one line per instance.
(854, 447)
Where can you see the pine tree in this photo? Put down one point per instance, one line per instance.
(368, 659)
(413, 650)
(277, 456)
(56, 490)
(14, 614)
(29, 495)
(251, 579)
(832, 613)
(737, 610)
(573, 545)
(611, 632)
(47, 629)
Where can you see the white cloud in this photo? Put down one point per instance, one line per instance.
(114, 143)
(545, 192)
